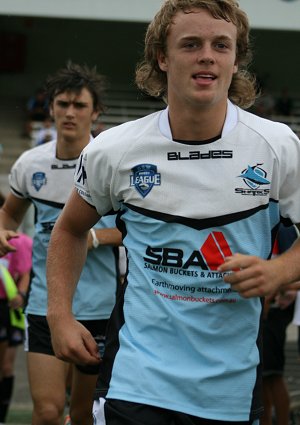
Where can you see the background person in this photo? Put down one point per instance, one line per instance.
(43, 176)
(37, 109)
(279, 311)
(47, 132)
(18, 264)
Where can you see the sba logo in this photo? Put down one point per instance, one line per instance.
(209, 257)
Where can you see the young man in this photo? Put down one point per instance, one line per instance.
(200, 189)
(278, 314)
(44, 176)
(12, 296)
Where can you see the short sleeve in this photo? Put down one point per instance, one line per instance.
(93, 177)
(289, 195)
(17, 177)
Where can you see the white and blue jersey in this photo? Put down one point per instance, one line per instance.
(181, 338)
(47, 182)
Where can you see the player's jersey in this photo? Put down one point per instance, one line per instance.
(47, 182)
(184, 340)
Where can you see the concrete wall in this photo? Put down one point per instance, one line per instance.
(113, 10)
(273, 14)
(267, 14)
(116, 46)
(276, 59)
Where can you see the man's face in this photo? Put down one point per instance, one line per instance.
(73, 114)
(200, 59)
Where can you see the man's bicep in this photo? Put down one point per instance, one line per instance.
(77, 216)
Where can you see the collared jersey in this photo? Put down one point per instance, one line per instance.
(38, 175)
(181, 338)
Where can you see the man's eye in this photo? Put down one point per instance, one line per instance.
(191, 45)
(63, 104)
(221, 46)
(79, 105)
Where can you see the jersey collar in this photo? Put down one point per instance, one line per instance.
(230, 121)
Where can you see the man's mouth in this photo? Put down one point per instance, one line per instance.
(69, 124)
(204, 76)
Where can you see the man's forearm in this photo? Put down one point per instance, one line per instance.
(6, 222)
(12, 213)
(109, 236)
(289, 264)
(65, 260)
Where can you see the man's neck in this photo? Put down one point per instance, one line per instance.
(200, 124)
(70, 149)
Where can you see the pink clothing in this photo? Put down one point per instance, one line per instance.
(18, 262)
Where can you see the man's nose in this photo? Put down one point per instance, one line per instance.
(70, 111)
(206, 55)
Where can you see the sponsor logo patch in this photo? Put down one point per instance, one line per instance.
(38, 180)
(255, 178)
(144, 178)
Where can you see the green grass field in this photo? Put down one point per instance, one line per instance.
(21, 416)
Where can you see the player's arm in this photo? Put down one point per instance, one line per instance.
(11, 216)
(252, 276)
(66, 257)
(108, 236)
(22, 284)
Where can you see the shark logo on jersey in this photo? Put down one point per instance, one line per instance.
(254, 176)
(144, 177)
(38, 180)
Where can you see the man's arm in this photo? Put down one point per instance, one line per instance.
(106, 236)
(66, 256)
(11, 216)
(252, 276)
(22, 284)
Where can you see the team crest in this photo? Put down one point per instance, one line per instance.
(38, 180)
(144, 177)
(254, 176)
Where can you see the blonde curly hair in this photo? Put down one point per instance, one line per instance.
(153, 81)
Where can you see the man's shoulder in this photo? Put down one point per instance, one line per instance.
(42, 151)
(130, 128)
(265, 127)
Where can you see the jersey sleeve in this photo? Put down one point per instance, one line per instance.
(289, 191)
(93, 177)
(17, 177)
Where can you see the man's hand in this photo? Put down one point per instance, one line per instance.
(72, 342)
(285, 298)
(252, 276)
(5, 236)
(16, 302)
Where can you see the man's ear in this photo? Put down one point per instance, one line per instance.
(162, 61)
(51, 110)
(235, 66)
(95, 115)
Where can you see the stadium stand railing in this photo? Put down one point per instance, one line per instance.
(122, 104)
